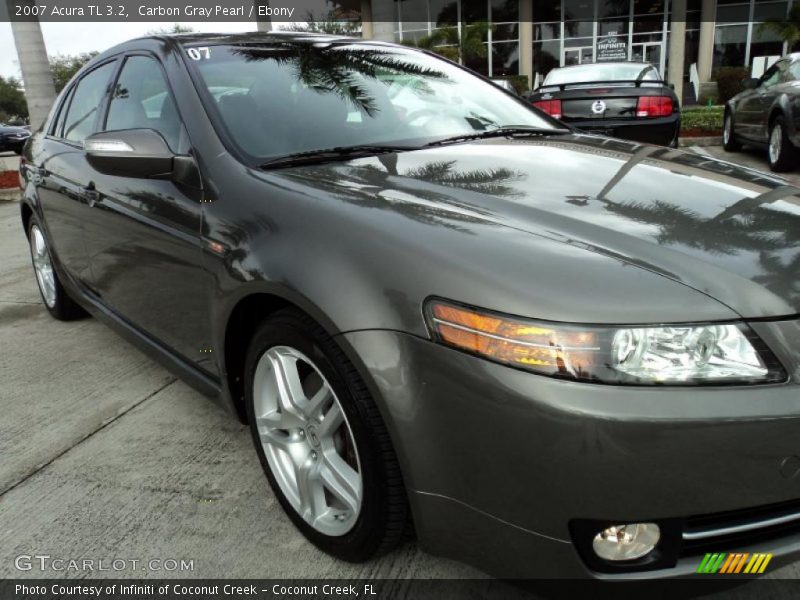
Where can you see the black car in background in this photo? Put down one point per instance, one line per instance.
(627, 100)
(13, 138)
(766, 114)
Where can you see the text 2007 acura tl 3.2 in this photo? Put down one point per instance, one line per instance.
(441, 312)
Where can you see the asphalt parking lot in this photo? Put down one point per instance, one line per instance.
(107, 455)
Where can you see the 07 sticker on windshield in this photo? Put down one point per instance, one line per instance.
(201, 53)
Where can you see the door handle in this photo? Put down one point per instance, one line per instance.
(90, 194)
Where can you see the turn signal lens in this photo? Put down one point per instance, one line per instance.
(551, 107)
(696, 354)
(535, 346)
(654, 106)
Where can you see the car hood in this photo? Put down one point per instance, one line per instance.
(12, 129)
(726, 231)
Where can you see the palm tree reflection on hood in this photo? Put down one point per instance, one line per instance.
(680, 225)
(367, 186)
(340, 69)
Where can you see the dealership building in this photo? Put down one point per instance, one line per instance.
(686, 39)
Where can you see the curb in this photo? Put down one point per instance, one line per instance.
(713, 140)
(10, 195)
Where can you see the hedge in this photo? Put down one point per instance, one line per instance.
(730, 82)
(702, 120)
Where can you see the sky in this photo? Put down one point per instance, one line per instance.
(74, 38)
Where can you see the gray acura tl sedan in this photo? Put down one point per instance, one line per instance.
(442, 312)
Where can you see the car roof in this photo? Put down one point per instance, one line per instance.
(609, 62)
(253, 37)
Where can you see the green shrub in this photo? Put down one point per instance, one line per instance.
(729, 81)
(702, 120)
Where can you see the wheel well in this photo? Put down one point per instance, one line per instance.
(27, 213)
(774, 115)
(242, 323)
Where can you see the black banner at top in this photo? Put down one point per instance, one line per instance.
(119, 11)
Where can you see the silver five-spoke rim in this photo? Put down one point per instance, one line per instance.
(775, 142)
(43, 267)
(307, 440)
(726, 132)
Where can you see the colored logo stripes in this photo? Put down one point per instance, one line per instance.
(741, 562)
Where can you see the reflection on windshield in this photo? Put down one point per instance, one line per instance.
(289, 97)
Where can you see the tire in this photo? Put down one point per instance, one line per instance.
(781, 153)
(54, 296)
(729, 141)
(293, 451)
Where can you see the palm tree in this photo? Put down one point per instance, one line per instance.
(447, 42)
(787, 29)
(40, 93)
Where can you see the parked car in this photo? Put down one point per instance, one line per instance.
(441, 313)
(13, 138)
(504, 84)
(627, 100)
(765, 115)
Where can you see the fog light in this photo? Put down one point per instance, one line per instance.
(626, 542)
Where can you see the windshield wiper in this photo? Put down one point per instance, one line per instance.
(332, 154)
(506, 131)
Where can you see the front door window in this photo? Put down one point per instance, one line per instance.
(578, 56)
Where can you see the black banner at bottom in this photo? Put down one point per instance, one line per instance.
(388, 589)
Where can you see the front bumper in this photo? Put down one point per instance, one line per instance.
(662, 131)
(500, 462)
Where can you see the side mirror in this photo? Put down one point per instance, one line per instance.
(141, 153)
(751, 83)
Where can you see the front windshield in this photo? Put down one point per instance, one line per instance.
(289, 97)
(602, 72)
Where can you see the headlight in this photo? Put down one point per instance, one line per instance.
(692, 354)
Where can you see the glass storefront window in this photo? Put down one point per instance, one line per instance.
(443, 12)
(547, 10)
(733, 11)
(578, 28)
(547, 31)
(505, 59)
(763, 11)
(730, 45)
(612, 27)
(504, 11)
(474, 10)
(578, 10)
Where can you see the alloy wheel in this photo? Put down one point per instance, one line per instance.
(43, 266)
(307, 440)
(726, 131)
(775, 143)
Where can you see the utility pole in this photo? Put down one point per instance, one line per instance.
(40, 93)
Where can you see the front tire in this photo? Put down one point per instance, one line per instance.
(54, 296)
(321, 440)
(781, 153)
(729, 141)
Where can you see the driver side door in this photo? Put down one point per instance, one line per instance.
(753, 107)
(144, 236)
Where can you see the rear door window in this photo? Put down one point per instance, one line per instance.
(81, 119)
